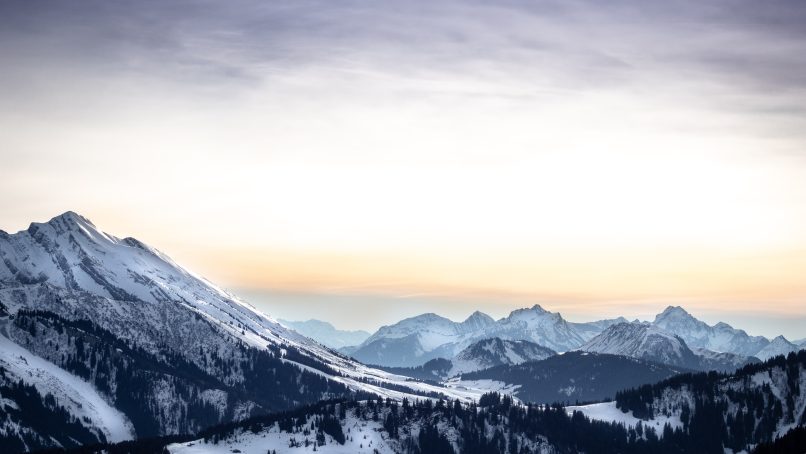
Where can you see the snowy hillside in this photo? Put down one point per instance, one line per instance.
(380, 428)
(326, 334)
(757, 404)
(168, 349)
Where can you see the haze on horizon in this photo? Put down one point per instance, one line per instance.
(456, 155)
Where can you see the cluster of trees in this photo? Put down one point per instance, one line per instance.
(32, 415)
(715, 414)
(496, 425)
(794, 442)
(131, 376)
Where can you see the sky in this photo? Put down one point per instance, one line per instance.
(336, 158)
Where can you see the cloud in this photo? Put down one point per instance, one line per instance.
(447, 122)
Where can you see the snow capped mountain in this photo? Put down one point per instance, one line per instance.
(413, 341)
(643, 341)
(168, 349)
(80, 399)
(496, 352)
(648, 341)
(433, 330)
(326, 334)
(478, 321)
(540, 326)
(720, 338)
(778, 346)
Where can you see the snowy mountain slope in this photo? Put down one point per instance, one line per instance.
(186, 342)
(708, 413)
(360, 435)
(778, 346)
(607, 411)
(326, 334)
(371, 427)
(649, 342)
(71, 392)
(720, 337)
(79, 398)
(643, 341)
(755, 404)
(496, 352)
(413, 341)
(540, 326)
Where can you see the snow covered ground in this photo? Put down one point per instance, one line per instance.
(363, 437)
(76, 395)
(607, 411)
(478, 387)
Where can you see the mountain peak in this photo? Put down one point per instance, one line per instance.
(69, 221)
(673, 312)
(479, 317)
(71, 218)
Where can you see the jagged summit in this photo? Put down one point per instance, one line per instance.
(478, 319)
(68, 223)
(495, 351)
(70, 220)
(644, 341)
(778, 346)
(673, 312)
(720, 337)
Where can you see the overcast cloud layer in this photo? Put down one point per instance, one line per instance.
(571, 150)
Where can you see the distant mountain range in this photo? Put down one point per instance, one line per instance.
(482, 354)
(413, 341)
(326, 334)
(675, 337)
(720, 337)
(649, 342)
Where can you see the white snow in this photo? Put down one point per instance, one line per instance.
(364, 437)
(778, 346)
(76, 395)
(479, 387)
(607, 411)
